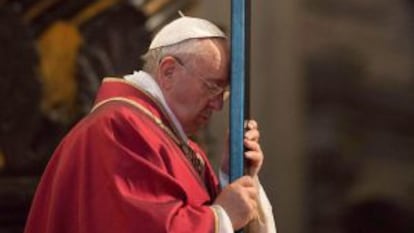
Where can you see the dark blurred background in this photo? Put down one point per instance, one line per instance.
(332, 87)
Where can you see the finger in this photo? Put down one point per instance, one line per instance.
(254, 157)
(252, 145)
(246, 181)
(252, 193)
(254, 162)
(255, 212)
(252, 134)
(252, 124)
(253, 207)
(249, 194)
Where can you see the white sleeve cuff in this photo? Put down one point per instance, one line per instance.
(265, 223)
(223, 224)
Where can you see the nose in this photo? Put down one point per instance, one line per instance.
(216, 102)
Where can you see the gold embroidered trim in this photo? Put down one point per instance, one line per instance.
(111, 79)
(144, 110)
(187, 150)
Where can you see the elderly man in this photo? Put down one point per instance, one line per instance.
(129, 165)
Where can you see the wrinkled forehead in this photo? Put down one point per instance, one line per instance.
(214, 52)
(214, 62)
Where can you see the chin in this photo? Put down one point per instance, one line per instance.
(191, 131)
(194, 130)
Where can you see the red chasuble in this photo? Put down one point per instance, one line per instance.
(122, 170)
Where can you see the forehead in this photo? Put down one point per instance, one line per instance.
(216, 50)
(213, 59)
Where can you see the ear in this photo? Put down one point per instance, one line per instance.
(166, 70)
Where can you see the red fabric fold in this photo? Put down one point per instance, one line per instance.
(118, 171)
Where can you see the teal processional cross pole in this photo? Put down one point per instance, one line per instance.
(239, 95)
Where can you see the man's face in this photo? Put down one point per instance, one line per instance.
(199, 85)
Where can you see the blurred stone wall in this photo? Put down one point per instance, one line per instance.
(358, 66)
(332, 87)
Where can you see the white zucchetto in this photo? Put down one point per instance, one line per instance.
(185, 28)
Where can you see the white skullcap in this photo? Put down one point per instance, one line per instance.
(185, 28)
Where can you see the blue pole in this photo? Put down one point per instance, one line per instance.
(239, 95)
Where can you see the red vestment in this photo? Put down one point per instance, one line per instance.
(121, 169)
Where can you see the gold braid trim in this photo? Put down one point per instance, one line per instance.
(156, 102)
(144, 110)
(195, 160)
